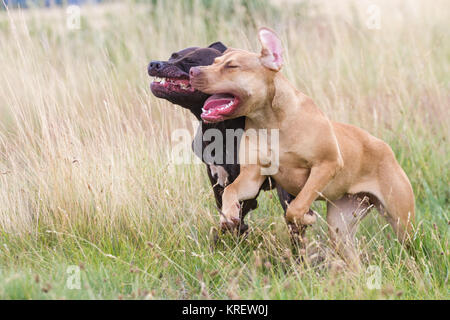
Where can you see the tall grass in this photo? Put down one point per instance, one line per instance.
(85, 172)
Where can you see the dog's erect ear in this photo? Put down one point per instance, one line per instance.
(219, 46)
(271, 52)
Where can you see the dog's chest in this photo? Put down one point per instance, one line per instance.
(292, 169)
(291, 179)
(259, 147)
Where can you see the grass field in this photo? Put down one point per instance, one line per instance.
(86, 182)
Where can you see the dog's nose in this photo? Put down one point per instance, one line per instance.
(155, 66)
(194, 71)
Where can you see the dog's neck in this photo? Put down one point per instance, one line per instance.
(282, 101)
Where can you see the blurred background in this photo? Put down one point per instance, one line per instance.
(45, 3)
(85, 149)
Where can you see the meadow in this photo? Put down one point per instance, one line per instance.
(91, 206)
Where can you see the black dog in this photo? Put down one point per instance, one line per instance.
(172, 83)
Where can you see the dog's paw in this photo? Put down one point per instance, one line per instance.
(309, 218)
(243, 228)
(229, 224)
(297, 218)
(230, 218)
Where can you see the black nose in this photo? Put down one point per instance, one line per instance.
(155, 66)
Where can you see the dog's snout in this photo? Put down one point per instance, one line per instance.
(155, 66)
(194, 71)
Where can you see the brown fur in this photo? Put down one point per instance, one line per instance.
(318, 160)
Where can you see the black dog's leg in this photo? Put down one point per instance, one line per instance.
(297, 233)
(247, 206)
(217, 188)
(285, 198)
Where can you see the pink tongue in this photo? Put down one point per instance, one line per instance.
(218, 100)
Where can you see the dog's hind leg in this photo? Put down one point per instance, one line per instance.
(343, 217)
(397, 199)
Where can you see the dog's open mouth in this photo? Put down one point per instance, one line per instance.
(172, 84)
(219, 106)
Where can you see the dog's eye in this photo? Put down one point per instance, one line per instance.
(188, 60)
(231, 66)
(174, 56)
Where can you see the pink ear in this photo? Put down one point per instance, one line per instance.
(271, 53)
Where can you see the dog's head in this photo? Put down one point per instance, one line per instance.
(171, 77)
(239, 81)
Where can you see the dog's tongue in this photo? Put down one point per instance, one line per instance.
(218, 100)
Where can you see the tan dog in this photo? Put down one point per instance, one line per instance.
(318, 159)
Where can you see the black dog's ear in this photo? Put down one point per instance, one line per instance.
(219, 46)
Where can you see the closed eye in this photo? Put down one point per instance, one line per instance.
(188, 60)
(231, 65)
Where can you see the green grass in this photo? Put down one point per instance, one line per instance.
(177, 261)
(85, 173)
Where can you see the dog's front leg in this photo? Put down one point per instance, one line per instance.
(246, 186)
(298, 211)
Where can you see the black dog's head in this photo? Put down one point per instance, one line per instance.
(171, 77)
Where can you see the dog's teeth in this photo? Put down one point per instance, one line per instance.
(183, 85)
